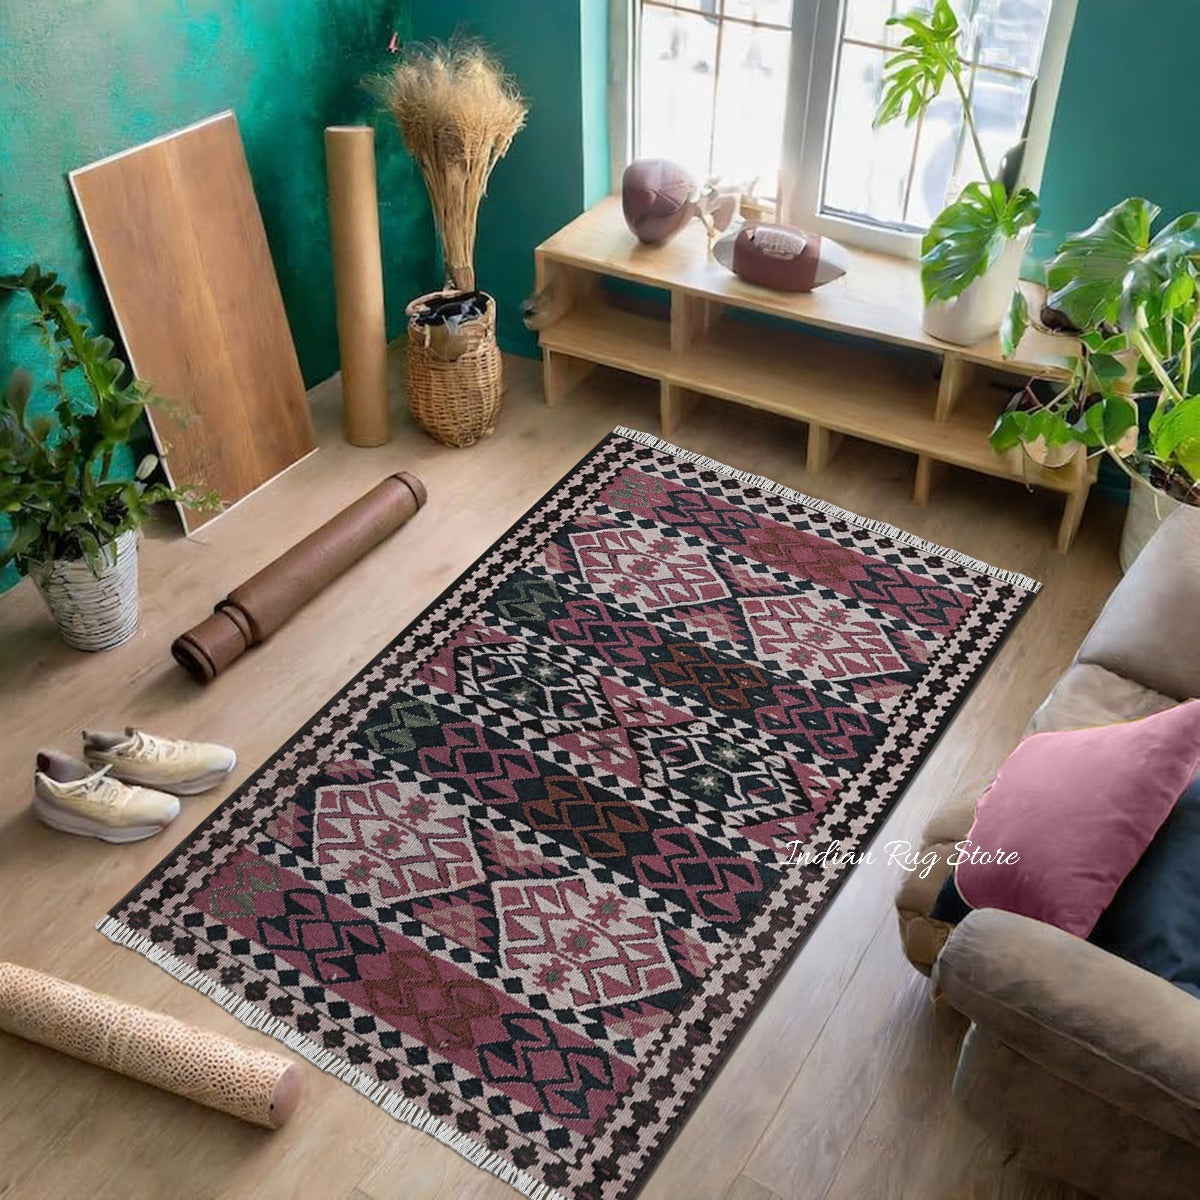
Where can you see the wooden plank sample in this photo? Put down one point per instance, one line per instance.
(181, 248)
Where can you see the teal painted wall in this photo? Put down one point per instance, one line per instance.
(1126, 122)
(84, 80)
(554, 168)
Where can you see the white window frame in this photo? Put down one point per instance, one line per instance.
(816, 32)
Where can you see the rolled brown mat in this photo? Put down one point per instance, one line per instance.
(254, 1085)
(253, 611)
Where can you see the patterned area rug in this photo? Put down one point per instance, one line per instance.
(524, 881)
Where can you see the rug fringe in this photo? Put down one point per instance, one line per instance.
(380, 1094)
(842, 514)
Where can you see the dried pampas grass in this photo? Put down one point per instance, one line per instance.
(458, 113)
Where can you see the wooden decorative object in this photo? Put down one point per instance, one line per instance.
(834, 387)
(181, 248)
(454, 385)
(254, 1085)
(358, 279)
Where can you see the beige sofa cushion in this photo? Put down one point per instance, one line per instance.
(1087, 695)
(922, 936)
(1146, 631)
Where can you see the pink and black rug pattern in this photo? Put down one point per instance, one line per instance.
(524, 880)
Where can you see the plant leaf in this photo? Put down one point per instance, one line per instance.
(1120, 421)
(914, 74)
(969, 236)
(1016, 322)
(1084, 279)
(16, 395)
(1175, 433)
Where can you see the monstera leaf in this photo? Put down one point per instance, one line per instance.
(1084, 279)
(914, 74)
(970, 235)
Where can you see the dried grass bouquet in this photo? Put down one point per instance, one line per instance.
(458, 113)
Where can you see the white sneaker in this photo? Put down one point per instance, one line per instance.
(183, 768)
(71, 796)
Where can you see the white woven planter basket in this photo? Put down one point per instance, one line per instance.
(94, 613)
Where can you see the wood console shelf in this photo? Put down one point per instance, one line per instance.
(835, 387)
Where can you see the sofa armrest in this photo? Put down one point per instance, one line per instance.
(1139, 633)
(1085, 1015)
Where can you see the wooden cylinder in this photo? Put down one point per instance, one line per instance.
(358, 280)
(254, 1085)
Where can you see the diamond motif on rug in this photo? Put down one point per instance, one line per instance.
(585, 945)
(821, 638)
(651, 571)
(392, 837)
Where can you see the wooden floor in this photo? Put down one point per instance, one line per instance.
(840, 1089)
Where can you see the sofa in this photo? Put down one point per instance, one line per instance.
(1086, 1067)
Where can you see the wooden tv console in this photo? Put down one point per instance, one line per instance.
(897, 398)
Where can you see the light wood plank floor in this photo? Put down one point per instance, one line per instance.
(841, 1087)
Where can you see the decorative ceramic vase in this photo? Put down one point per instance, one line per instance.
(979, 311)
(1148, 509)
(94, 611)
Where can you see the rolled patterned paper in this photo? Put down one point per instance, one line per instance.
(258, 607)
(253, 1085)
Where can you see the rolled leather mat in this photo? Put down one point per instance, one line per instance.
(254, 1085)
(258, 607)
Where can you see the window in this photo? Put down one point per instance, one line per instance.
(781, 95)
(712, 86)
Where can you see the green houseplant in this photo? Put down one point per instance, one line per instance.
(1132, 294)
(971, 254)
(71, 519)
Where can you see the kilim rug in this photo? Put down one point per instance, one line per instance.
(525, 879)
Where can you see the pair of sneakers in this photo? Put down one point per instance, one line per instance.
(126, 786)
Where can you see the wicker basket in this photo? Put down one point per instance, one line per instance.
(454, 378)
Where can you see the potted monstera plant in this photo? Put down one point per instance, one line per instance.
(70, 517)
(971, 255)
(1132, 296)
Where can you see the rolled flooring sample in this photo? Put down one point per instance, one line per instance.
(213, 1070)
(258, 607)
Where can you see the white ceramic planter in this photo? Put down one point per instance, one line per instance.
(94, 612)
(979, 311)
(1148, 509)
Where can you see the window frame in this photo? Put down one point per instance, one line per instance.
(816, 32)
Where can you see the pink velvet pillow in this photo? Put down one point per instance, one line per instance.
(1078, 810)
